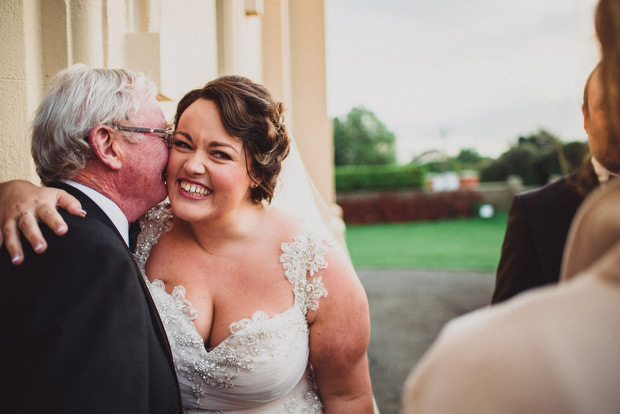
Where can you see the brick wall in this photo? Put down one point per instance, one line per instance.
(400, 206)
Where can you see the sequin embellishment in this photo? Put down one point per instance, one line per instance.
(252, 339)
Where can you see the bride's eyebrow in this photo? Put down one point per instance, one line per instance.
(222, 144)
(212, 144)
(185, 135)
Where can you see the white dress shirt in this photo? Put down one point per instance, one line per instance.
(602, 173)
(109, 207)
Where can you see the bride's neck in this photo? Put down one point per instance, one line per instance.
(213, 234)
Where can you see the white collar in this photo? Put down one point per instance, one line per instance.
(109, 207)
(602, 173)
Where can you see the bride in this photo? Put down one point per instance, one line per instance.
(262, 308)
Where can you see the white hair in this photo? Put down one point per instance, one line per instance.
(81, 98)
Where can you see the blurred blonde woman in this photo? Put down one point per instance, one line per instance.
(554, 349)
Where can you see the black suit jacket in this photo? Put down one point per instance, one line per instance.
(538, 224)
(79, 331)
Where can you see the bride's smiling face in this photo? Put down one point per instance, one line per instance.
(207, 174)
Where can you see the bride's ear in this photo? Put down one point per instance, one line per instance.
(255, 181)
(106, 147)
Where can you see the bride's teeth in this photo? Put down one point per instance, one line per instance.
(194, 189)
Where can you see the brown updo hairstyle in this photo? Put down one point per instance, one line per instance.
(250, 114)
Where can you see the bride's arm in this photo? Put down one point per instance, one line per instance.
(21, 205)
(339, 337)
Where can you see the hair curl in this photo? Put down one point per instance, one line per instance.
(249, 113)
(79, 99)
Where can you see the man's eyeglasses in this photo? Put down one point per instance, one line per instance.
(165, 134)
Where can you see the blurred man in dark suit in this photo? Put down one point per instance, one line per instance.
(538, 220)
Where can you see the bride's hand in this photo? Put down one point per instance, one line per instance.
(22, 204)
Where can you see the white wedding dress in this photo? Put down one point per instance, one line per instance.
(262, 367)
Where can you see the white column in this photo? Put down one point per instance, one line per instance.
(311, 125)
(87, 32)
(276, 52)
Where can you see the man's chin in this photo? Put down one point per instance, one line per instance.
(611, 164)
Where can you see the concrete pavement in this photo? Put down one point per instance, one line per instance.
(408, 308)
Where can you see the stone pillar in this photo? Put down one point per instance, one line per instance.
(19, 22)
(311, 125)
(86, 30)
(276, 52)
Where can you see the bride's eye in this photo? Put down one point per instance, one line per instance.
(221, 155)
(180, 144)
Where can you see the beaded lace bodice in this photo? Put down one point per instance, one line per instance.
(263, 365)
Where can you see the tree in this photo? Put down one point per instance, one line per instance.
(576, 153)
(361, 139)
(536, 159)
(470, 159)
(469, 156)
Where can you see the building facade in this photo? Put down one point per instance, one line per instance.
(180, 44)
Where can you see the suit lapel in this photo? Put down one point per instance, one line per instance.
(92, 209)
(583, 181)
(95, 212)
(159, 326)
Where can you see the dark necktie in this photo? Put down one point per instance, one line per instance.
(134, 231)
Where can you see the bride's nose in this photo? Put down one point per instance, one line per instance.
(196, 164)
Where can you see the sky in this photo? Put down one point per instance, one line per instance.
(451, 74)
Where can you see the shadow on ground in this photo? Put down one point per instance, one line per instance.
(408, 308)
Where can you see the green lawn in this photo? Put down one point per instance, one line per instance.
(463, 244)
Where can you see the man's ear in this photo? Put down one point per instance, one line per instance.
(105, 146)
(586, 118)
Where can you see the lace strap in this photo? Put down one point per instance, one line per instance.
(155, 222)
(302, 259)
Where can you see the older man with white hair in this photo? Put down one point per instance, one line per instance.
(79, 329)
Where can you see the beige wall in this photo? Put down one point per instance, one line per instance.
(14, 91)
(180, 44)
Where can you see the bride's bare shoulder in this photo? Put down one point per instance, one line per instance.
(282, 223)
